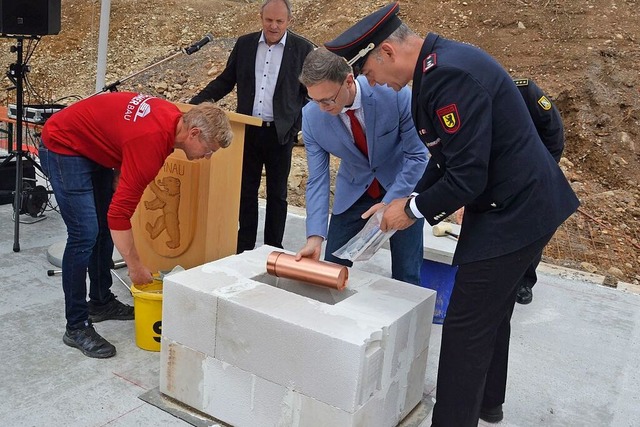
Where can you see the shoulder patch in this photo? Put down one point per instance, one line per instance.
(521, 82)
(429, 62)
(449, 118)
(544, 103)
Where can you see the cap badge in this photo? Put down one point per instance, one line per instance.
(363, 52)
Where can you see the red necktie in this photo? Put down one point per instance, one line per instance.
(361, 142)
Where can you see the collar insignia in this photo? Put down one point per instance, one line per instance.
(429, 63)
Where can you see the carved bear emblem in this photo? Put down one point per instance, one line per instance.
(167, 198)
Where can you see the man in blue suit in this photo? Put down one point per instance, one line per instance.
(347, 112)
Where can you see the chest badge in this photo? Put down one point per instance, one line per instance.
(544, 103)
(449, 118)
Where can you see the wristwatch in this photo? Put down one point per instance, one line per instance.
(407, 209)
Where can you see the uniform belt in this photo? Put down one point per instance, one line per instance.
(268, 124)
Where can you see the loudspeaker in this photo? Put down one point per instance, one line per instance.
(30, 17)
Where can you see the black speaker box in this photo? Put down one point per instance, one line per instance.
(30, 17)
(8, 179)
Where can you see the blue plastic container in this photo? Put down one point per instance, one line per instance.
(439, 277)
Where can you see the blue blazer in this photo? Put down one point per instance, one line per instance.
(398, 156)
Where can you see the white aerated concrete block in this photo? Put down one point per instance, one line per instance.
(182, 373)
(191, 318)
(239, 397)
(252, 349)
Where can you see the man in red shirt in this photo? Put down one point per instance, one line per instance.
(84, 147)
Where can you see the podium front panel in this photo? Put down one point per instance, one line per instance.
(189, 215)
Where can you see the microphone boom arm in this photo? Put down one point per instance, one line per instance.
(113, 87)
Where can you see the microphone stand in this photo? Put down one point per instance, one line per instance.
(113, 87)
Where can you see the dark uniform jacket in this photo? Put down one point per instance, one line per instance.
(545, 116)
(289, 95)
(486, 154)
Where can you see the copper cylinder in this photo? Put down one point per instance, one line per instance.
(307, 270)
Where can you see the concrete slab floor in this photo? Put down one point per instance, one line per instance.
(573, 350)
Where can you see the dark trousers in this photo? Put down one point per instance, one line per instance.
(83, 190)
(261, 148)
(472, 371)
(530, 277)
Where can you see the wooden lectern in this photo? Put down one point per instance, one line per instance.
(189, 215)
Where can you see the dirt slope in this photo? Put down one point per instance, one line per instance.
(585, 54)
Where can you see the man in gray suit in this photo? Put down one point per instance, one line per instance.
(346, 111)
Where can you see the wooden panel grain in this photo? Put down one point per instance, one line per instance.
(200, 223)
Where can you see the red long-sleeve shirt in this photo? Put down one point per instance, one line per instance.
(126, 131)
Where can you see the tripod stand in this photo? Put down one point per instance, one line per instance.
(16, 74)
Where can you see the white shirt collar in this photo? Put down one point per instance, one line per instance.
(357, 101)
(282, 41)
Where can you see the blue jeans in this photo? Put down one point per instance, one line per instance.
(83, 190)
(406, 245)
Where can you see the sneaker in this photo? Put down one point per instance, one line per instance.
(113, 310)
(524, 295)
(89, 342)
(492, 415)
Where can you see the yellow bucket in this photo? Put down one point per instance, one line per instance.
(147, 307)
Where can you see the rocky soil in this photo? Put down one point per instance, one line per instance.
(585, 54)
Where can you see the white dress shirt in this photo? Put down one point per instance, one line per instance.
(268, 60)
(357, 107)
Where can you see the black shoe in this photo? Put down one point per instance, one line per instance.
(89, 342)
(524, 295)
(113, 310)
(492, 415)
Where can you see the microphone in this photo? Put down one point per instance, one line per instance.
(198, 45)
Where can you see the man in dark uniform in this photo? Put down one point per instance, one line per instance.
(486, 156)
(548, 123)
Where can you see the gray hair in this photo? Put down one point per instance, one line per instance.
(213, 123)
(286, 3)
(322, 65)
(399, 36)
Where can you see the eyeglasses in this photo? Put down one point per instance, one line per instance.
(209, 151)
(328, 102)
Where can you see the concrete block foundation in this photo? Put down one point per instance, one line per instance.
(252, 349)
